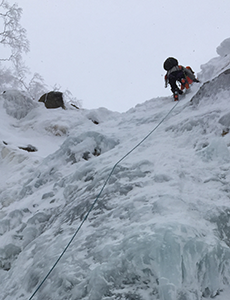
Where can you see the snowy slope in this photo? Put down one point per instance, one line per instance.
(161, 227)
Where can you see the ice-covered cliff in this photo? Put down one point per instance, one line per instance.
(161, 227)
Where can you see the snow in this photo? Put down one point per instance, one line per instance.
(224, 48)
(160, 228)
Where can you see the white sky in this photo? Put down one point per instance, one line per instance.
(110, 52)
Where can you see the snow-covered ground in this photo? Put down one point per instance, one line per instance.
(160, 228)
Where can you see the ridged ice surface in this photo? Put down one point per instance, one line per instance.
(161, 227)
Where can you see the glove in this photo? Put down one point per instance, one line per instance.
(196, 80)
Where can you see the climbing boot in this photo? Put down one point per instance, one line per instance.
(175, 95)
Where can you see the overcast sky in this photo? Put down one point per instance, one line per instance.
(109, 53)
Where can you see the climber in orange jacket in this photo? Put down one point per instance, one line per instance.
(177, 73)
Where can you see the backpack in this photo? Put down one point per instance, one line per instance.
(170, 63)
(190, 69)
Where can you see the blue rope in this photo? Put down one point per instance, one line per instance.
(92, 206)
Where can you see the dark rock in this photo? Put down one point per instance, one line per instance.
(52, 100)
(6, 266)
(95, 122)
(29, 148)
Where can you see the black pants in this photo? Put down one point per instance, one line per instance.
(173, 78)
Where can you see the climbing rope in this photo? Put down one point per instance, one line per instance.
(98, 196)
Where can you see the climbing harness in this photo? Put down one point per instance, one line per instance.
(92, 206)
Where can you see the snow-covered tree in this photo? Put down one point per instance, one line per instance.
(12, 34)
(14, 44)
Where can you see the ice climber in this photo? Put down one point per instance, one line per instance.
(176, 73)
